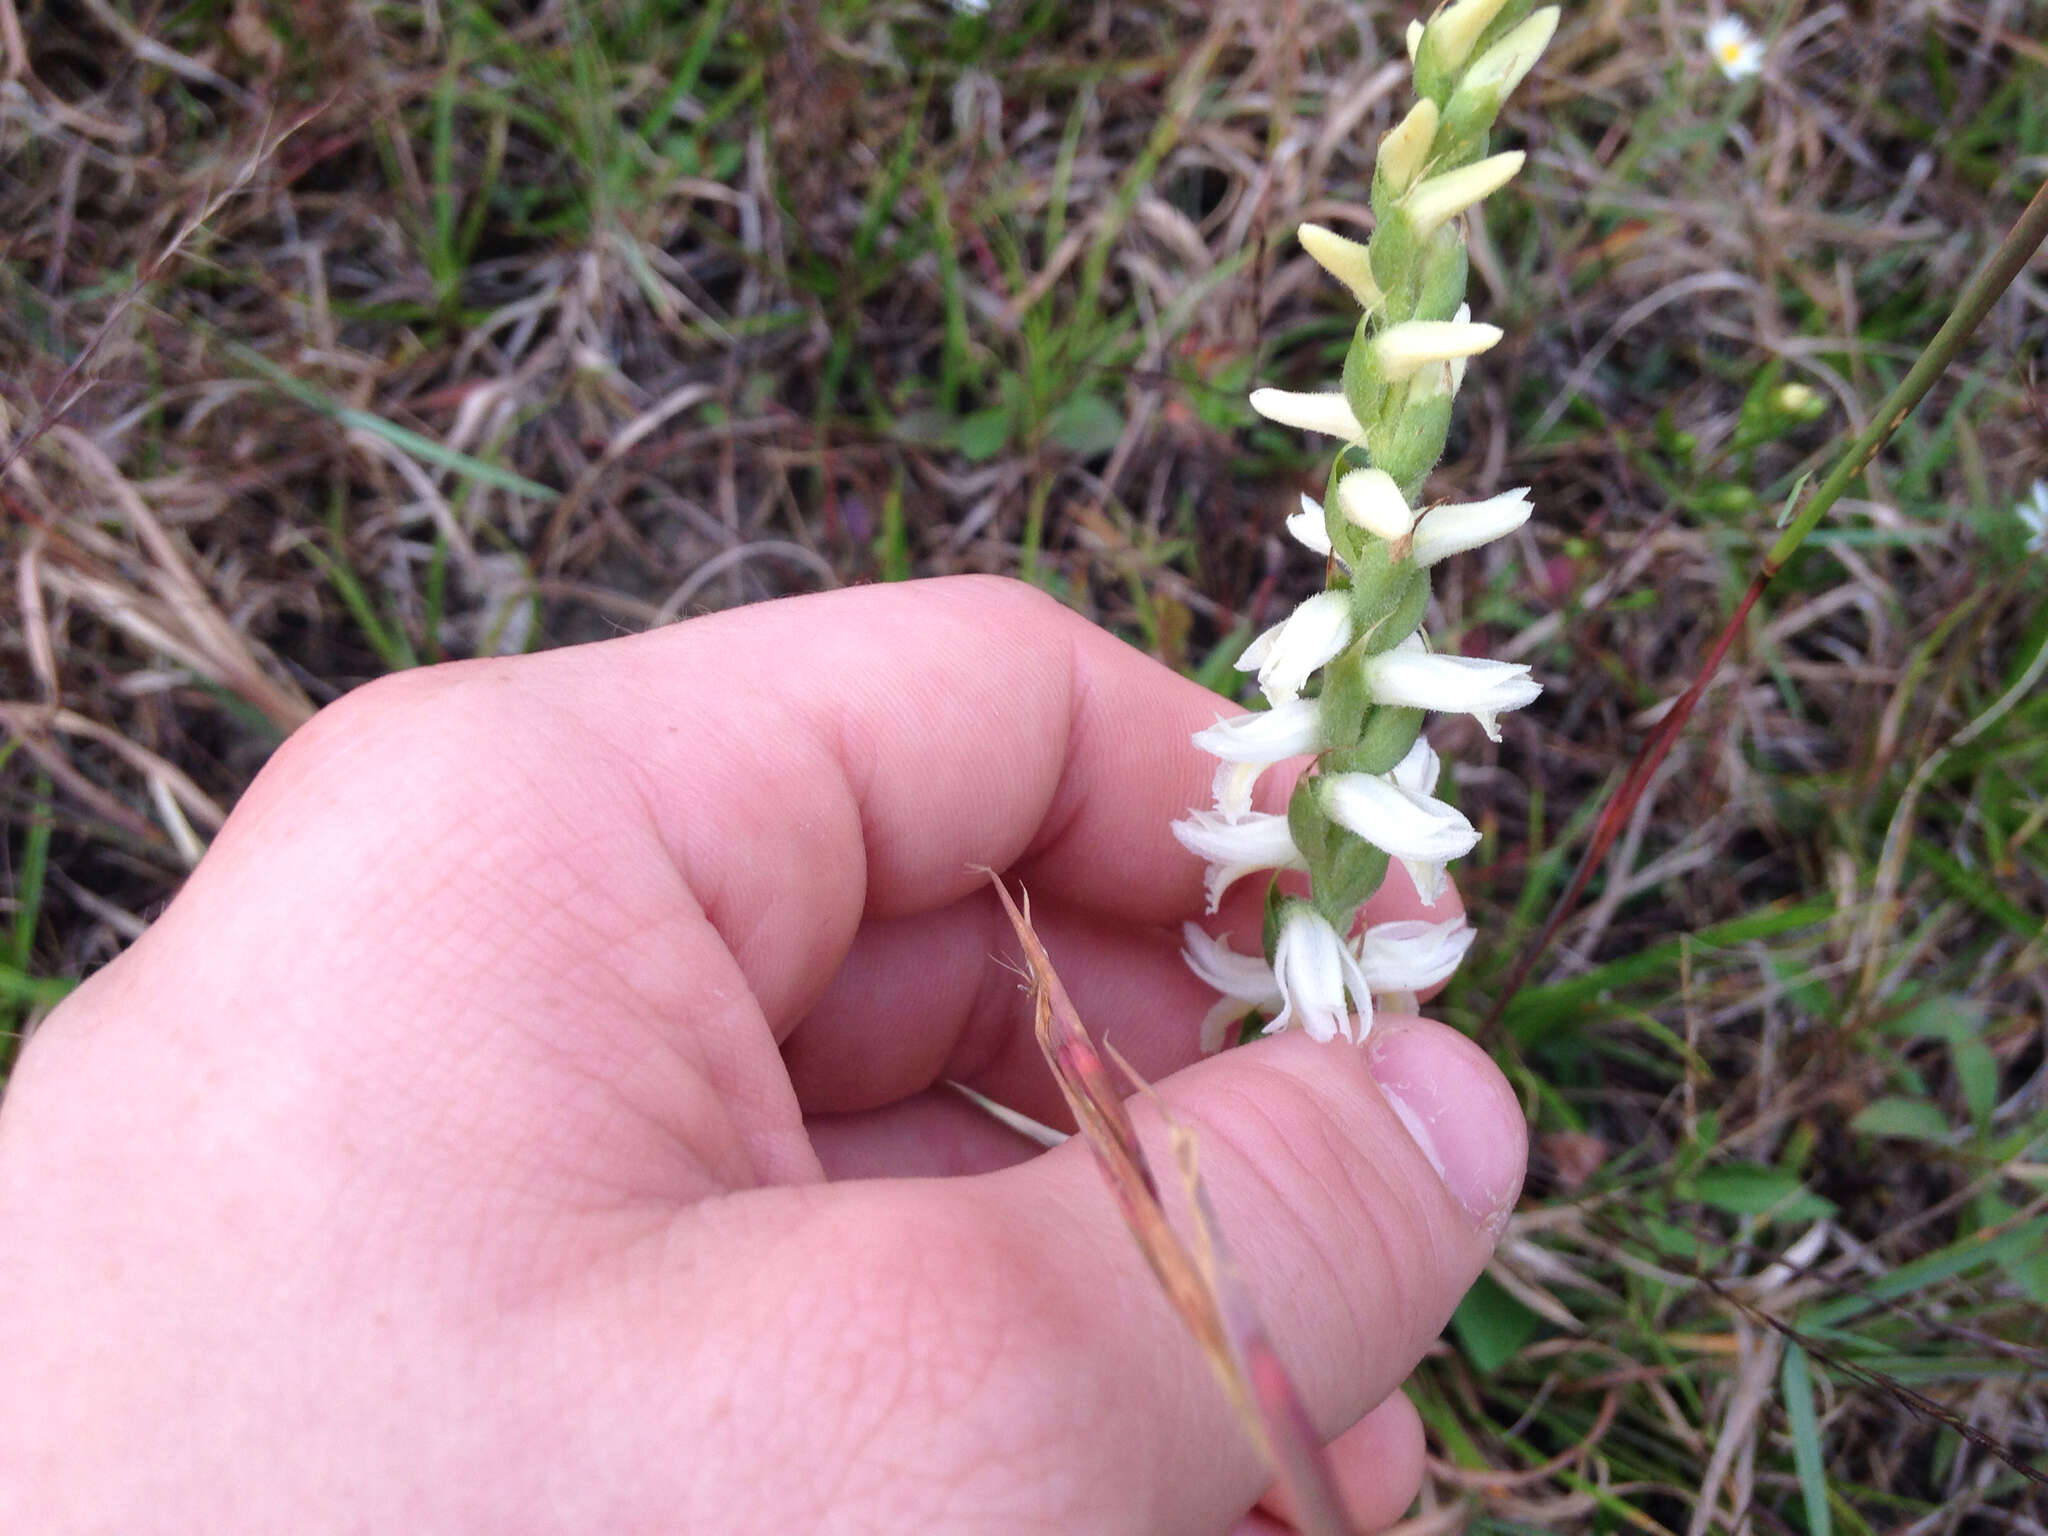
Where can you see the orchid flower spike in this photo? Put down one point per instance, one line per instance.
(1348, 675)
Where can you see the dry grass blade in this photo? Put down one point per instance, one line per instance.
(1204, 1286)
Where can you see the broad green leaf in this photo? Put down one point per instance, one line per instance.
(1750, 1189)
(1907, 1119)
(1490, 1325)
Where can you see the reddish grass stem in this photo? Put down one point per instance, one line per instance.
(1992, 279)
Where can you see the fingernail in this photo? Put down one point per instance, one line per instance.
(1458, 1109)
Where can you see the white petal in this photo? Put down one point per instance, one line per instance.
(1327, 412)
(1344, 260)
(1430, 879)
(1413, 955)
(1246, 978)
(1435, 200)
(1310, 637)
(1233, 787)
(1455, 685)
(1309, 528)
(1451, 530)
(1269, 736)
(1407, 348)
(1405, 824)
(1418, 771)
(1370, 499)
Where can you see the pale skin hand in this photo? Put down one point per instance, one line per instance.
(472, 1145)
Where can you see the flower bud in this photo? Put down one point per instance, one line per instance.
(1502, 67)
(1405, 147)
(1407, 348)
(1457, 27)
(1345, 260)
(1370, 499)
(1436, 200)
(1327, 412)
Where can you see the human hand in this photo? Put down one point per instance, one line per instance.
(470, 1145)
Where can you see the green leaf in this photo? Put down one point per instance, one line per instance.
(1942, 1017)
(1490, 1325)
(1977, 1076)
(1795, 1386)
(1907, 1119)
(1751, 1189)
(1085, 424)
(984, 434)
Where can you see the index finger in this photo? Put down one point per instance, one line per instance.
(856, 754)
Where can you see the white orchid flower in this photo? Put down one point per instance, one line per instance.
(1422, 832)
(1312, 636)
(1314, 970)
(1451, 685)
(1236, 846)
(1441, 532)
(1249, 744)
(1413, 955)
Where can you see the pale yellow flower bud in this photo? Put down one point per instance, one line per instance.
(1406, 146)
(1345, 260)
(1435, 200)
(1503, 66)
(1458, 26)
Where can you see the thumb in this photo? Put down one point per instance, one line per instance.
(992, 1353)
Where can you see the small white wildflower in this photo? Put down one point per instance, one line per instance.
(1451, 685)
(2033, 513)
(1412, 955)
(1735, 51)
(1370, 499)
(1312, 636)
(1309, 528)
(1407, 348)
(1327, 412)
(1423, 833)
(1314, 969)
(1236, 846)
(1343, 259)
(1444, 531)
(1435, 200)
(1249, 744)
